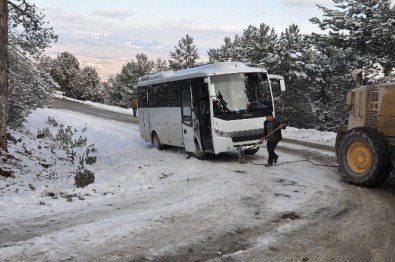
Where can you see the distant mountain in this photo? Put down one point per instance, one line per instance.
(107, 53)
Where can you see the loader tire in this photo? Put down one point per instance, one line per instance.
(364, 157)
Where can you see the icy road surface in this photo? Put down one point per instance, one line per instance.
(150, 205)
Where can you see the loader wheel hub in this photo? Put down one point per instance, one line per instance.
(359, 157)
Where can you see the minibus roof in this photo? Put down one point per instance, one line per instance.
(220, 68)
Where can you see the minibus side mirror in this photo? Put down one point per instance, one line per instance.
(280, 79)
(282, 85)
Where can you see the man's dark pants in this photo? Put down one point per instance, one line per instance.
(271, 145)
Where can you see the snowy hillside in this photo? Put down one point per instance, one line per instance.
(137, 187)
(41, 168)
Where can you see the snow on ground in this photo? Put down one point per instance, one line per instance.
(310, 135)
(146, 186)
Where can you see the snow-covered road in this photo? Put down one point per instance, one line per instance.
(150, 205)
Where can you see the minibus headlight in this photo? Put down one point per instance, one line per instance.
(220, 132)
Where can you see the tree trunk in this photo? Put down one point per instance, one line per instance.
(387, 68)
(3, 72)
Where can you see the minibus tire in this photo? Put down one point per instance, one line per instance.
(156, 142)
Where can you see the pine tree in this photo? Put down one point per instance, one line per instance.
(22, 27)
(45, 63)
(123, 84)
(64, 68)
(330, 80)
(30, 88)
(265, 47)
(363, 26)
(224, 53)
(257, 45)
(115, 91)
(28, 29)
(142, 66)
(161, 65)
(184, 55)
(86, 85)
(383, 30)
(292, 54)
(229, 51)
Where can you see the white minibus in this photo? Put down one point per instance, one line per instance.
(207, 109)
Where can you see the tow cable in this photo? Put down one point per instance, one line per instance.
(296, 161)
(242, 157)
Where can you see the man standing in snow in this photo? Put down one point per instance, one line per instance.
(272, 133)
(134, 103)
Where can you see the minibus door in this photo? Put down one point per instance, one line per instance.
(187, 120)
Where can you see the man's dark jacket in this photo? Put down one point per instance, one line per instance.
(268, 127)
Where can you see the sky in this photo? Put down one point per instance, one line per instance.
(207, 21)
(143, 198)
(124, 28)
